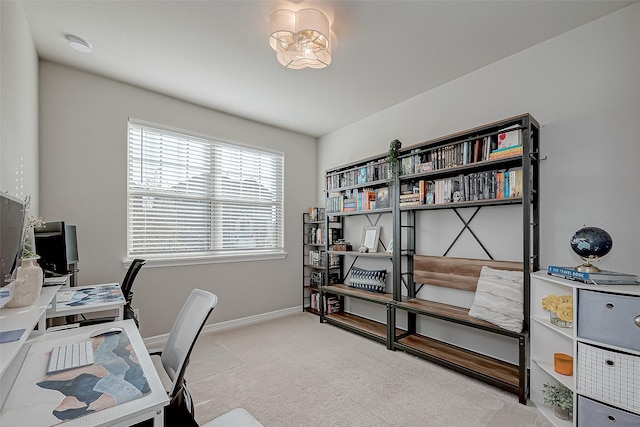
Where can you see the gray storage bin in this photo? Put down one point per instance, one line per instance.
(609, 318)
(595, 414)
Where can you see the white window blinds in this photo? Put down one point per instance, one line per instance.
(190, 196)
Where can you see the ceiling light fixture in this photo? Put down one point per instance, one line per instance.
(80, 45)
(300, 39)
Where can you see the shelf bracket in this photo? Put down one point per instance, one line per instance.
(466, 227)
(535, 156)
(374, 223)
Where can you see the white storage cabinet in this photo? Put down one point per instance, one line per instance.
(604, 343)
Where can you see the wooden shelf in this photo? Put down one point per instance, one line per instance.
(451, 313)
(497, 372)
(363, 254)
(348, 291)
(369, 211)
(467, 204)
(312, 310)
(506, 162)
(354, 323)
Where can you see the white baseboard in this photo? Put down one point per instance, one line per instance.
(158, 341)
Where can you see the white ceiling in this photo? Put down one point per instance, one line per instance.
(216, 53)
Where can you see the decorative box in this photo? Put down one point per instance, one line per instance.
(342, 246)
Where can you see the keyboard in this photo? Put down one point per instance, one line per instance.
(64, 296)
(70, 356)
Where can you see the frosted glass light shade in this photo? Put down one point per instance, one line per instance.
(300, 39)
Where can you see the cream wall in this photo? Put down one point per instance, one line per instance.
(18, 105)
(583, 88)
(83, 143)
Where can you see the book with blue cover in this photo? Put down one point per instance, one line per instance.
(602, 277)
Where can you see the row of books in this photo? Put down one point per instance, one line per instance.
(316, 236)
(448, 156)
(603, 277)
(317, 278)
(507, 143)
(319, 259)
(331, 303)
(316, 214)
(373, 171)
(358, 200)
(487, 185)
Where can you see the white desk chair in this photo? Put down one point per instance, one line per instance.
(171, 362)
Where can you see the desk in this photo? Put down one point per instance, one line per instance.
(64, 280)
(23, 318)
(88, 299)
(30, 405)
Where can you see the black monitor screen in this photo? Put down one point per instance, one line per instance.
(12, 212)
(57, 246)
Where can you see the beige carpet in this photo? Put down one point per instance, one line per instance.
(209, 358)
(295, 371)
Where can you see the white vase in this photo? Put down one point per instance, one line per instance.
(28, 283)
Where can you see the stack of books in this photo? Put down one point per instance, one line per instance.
(603, 277)
(411, 199)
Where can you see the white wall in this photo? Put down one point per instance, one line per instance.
(83, 181)
(18, 105)
(583, 88)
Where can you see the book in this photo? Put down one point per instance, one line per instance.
(509, 138)
(506, 152)
(410, 196)
(500, 185)
(602, 277)
(517, 184)
(424, 167)
(362, 175)
(382, 197)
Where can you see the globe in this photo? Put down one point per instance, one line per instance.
(590, 244)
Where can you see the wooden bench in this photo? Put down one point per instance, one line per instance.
(461, 274)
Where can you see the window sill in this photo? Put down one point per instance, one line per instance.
(211, 259)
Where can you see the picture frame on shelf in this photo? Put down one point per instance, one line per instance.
(370, 238)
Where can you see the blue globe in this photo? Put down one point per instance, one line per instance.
(591, 242)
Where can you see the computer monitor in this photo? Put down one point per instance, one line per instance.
(12, 222)
(57, 246)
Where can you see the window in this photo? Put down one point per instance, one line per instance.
(192, 197)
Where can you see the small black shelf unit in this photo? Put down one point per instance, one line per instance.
(317, 265)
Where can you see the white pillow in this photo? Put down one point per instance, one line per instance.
(499, 299)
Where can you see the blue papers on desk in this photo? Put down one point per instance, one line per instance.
(6, 294)
(115, 377)
(101, 294)
(10, 336)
